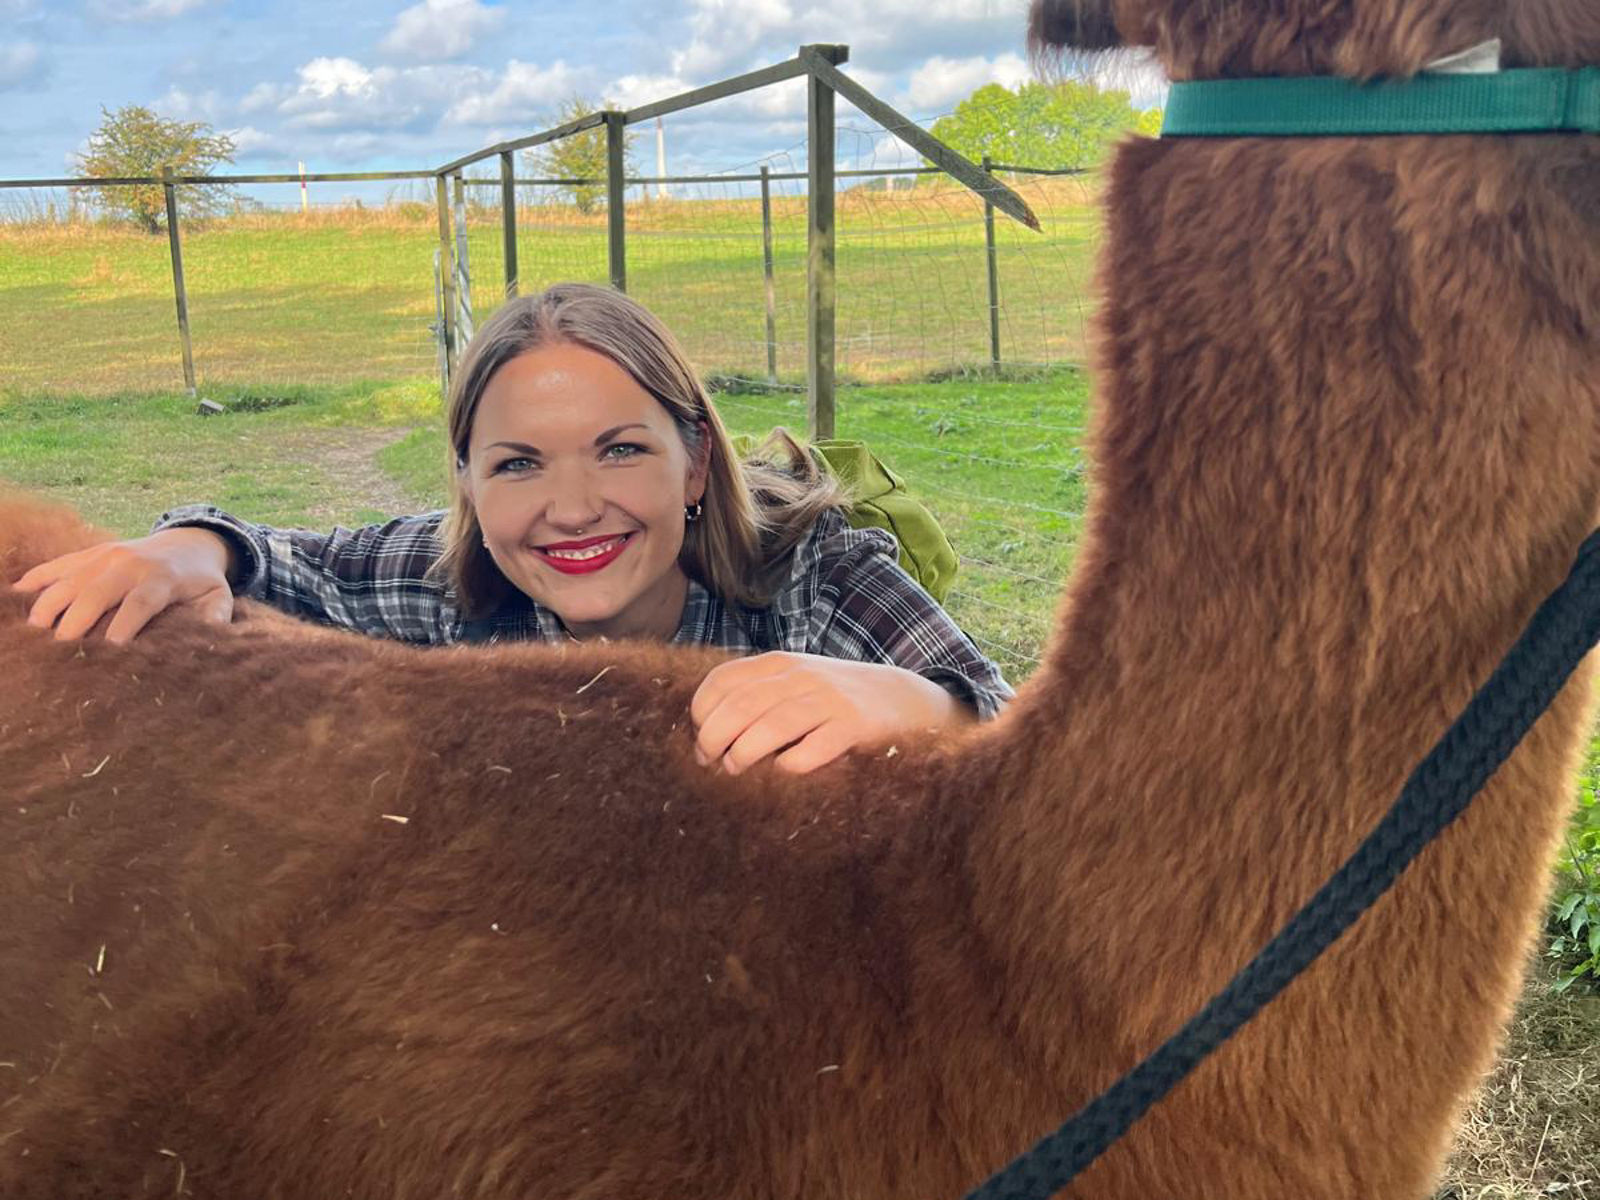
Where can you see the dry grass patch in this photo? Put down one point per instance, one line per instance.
(1534, 1128)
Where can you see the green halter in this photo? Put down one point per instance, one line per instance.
(1523, 101)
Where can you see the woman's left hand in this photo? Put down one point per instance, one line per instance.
(807, 710)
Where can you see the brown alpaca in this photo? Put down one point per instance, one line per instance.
(1349, 438)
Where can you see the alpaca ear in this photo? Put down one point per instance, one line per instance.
(1056, 25)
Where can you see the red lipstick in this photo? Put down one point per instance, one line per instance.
(587, 565)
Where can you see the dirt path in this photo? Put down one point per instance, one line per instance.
(348, 460)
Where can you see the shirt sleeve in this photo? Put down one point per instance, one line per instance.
(371, 580)
(868, 609)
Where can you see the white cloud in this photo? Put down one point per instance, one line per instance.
(787, 99)
(437, 30)
(247, 139)
(20, 64)
(726, 31)
(940, 82)
(143, 10)
(633, 90)
(341, 94)
(181, 105)
(525, 95)
(729, 35)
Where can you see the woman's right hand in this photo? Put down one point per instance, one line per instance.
(184, 565)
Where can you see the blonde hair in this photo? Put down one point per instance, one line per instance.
(753, 514)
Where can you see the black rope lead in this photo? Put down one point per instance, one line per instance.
(1561, 632)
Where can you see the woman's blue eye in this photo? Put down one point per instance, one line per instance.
(628, 450)
(514, 465)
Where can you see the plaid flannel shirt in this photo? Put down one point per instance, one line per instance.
(846, 597)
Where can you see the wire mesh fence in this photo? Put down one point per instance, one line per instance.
(331, 293)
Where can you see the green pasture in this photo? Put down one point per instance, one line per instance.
(1000, 463)
(348, 295)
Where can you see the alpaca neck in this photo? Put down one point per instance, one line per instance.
(1330, 492)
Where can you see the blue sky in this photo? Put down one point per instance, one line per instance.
(390, 85)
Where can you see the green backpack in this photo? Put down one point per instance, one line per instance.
(880, 500)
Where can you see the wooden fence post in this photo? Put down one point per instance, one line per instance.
(821, 289)
(447, 273)
(766, 261)
(466, 325)
(994, 275)
(508, 218)
(177, 277)
(440, 350)
(616, 144)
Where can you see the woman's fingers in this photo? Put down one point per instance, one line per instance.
(51, 603)
(782, 724)
(74, 594)
(106, 591)
(144, 604)
(138, 579)
(821, 746)
(732, 712)
(216, 605)
(46, 573)
(726, 678)
(134, 610)
(807, 710)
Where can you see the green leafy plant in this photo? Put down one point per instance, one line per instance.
(134, 141)
(1064, 125)
(1575, 917)
(581, 156)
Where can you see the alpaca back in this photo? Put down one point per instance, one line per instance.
(381, 921)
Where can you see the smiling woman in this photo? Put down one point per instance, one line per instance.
(590, 525)
(594, 495)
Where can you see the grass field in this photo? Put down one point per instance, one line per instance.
(331, 297)
(988, 457)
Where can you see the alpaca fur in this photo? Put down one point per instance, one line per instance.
(1349, 436)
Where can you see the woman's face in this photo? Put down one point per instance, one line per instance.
(579, 479)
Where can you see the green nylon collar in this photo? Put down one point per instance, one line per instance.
(1533, 100)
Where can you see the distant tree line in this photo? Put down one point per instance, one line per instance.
(1057, 125)
(1062, 126)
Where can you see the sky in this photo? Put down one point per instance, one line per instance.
(369, 85)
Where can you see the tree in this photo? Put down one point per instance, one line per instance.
(134, 141)
(581, 156)
(1057, 125)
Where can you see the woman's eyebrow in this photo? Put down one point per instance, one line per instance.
(616, 429)
(602, 439)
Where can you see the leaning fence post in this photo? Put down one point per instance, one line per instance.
(994, 275)
(820, 244)
(616, 144)
(438, 324)
(177, 277)
(447, 273)
(766, 262)
(508, 218)
(464, 320)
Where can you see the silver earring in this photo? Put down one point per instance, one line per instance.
(691, 512)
